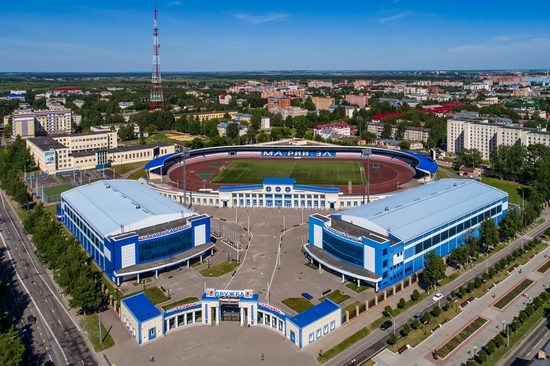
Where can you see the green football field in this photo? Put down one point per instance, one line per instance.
(305, 171)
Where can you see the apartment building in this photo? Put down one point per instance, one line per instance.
(484, 136)
(359, 100)
(278, 102)
(28, 123)
(322, 103)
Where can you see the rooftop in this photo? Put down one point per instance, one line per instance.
(418, 210)
(116, 206)
(46, 143)
(314, 313)
(141, 307)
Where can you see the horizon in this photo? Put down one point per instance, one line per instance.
(391, 35)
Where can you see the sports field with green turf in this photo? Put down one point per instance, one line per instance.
(305, 172)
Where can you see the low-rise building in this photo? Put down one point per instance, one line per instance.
(322, 103)
(224, 98)
(328, 130)
(206, 116)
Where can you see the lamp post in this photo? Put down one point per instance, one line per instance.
(504, 324)
(186, 152)
(366, 153)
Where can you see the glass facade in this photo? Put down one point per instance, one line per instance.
(463, 226)
(165, 246)
(342, 249)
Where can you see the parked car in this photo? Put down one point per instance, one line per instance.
(437, 297)
(31, 319)
(386, 325)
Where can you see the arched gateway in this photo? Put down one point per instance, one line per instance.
(147, 322)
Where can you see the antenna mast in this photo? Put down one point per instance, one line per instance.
(157, 100)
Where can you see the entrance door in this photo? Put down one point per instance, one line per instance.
(230, 312)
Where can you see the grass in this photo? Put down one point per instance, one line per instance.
(90, 326)
(354, 338)
(337, 296)
(125, 168)
(53, 193)
(187, 300)
(512, 188)
(512, 294)
(305, 172)
(353, 286)
(52, 209)
(454, 342)
(298, 304)
(544, 268)
(157, 138)
(156, 295)
(219, 269)
(351, 307)
(137, 174)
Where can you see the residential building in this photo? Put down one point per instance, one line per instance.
(206, 116)
(49, 122)
(224, 98)
(330, 130)
(360, 100)
(482, 135)
(322, 103)
(277, 102)
(319, 84)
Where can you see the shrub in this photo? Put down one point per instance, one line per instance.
(482, 355)
(462, 291)
(523, 316)
(415, 295)
(446, 307)
(392, 339)
(387, 311)
(499, 340)
(436, 311)
(401, 303)
(426, 317)
(491, 348)
(406, 330)
(415, 324)
(470, 287)
(492, 271)
(477, 282)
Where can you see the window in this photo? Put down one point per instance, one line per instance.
(268, 189)
(332, 325)
(287, 189)
(343, 249)
(318, 332)
(165, 246)
(311, 337)
(277, 189)
(385, 251)
(385, 263)
(325, 329)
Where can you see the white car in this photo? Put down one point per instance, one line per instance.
(437, 297)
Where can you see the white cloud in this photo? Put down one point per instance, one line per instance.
(258, 19)
(397, 16)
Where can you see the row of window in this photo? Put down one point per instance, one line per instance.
(165, 246)
(344, 250)
(320, 332)
(436, 239)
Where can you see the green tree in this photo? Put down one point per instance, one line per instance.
(232, 131)
(387, 131)
(404, 144)
(369, 137)
(434, 269)
(470, 158)
(11, 349)
(436, 311)
(126, 132)
(415, 324)
(151, 129)
(401, 304)
(488, 233)
(406, 329)
(415, 295)
(392, 339)
(510, 225)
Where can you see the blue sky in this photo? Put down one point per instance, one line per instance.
(211, 35)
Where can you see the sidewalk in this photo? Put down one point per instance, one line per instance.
(421, 355)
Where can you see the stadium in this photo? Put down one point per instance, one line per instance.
(317, 177)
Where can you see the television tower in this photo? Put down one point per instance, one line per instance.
(157, 100)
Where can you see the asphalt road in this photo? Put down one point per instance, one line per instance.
(532, 343)
(377, 340)
(56, 335)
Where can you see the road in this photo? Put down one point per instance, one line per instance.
(56, 336)
(533, 342)
(377, 340)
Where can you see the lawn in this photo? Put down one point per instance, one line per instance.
(137, 174)
(512, 188)
(544, 268)
(337, 296)
(454, 342)
(166, 137)
(219, 269)
(353, 286)
(512, 294)
(187, 300)
(156, 295)
(354, 338)
(305, 172)
(298, 304)
(90, 325)
(351, 307)
(53, 193)
(125, 168)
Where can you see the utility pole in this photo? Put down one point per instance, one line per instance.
(99, 327)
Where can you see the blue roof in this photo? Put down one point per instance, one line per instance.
(112, 205)
(239, 188)
(314, 313)
(161, 160)
(425, 164)
(317, 189)
(418, 210)
(279, 181)
(141, 307)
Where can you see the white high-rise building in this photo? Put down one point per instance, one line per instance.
(486, 137)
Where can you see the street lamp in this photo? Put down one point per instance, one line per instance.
(504, 324)
(186, 152)
(366, 153)
(393, 321)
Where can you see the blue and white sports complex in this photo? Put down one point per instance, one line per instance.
(129, 229)
(384, 242)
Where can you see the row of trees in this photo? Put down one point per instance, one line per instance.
(500, 340)
(11, 346)
(58, 250)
